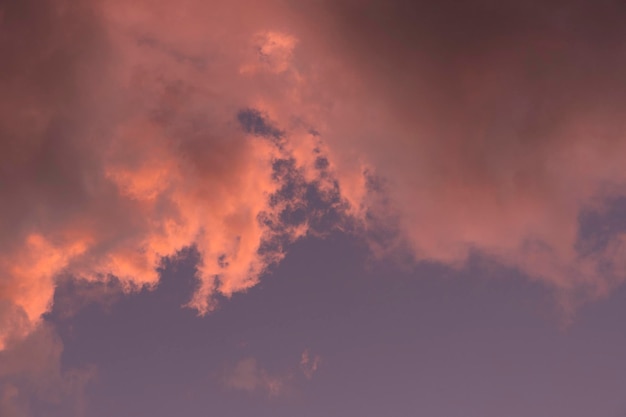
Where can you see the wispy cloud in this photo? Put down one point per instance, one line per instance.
(309, 363)
(247, 375)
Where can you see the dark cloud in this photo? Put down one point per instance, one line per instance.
(253, 122)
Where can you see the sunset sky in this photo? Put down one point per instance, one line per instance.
(312, 208)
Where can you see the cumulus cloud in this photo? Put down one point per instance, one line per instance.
(130, 130)
(127, 136)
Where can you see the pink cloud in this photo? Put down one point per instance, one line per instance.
(30, 369)
(140, 153)
(250, 376)
(121, 143)
(247, 375)
(309, 363)
(489, 128)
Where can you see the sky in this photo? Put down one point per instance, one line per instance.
(312, 208)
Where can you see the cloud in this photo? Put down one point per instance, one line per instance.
(122, 145)
(131, 130)
(31, 377)
(247, 375)
(8, 406)
(479, 127)
(309, 363)
(42, 117)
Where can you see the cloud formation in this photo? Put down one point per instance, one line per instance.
(490, 127)
(127, 137)
(32, 378)
(247, 375)
(131, 130)
(309, 363)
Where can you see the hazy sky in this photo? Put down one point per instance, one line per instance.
(312, 208)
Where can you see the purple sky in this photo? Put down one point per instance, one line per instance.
(312, 208)
(425, 342)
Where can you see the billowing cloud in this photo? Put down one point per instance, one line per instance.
(127, 137)
(481, 127)
(131, 130)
